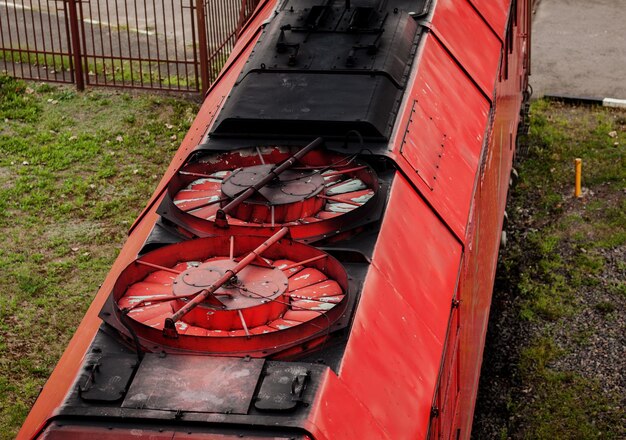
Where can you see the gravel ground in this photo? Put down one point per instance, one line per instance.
(592, 341)
(598, 351)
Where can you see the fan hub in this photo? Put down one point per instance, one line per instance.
(254, 296)
(289, 187)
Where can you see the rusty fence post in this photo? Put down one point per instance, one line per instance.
(76, 52)
(202, 46)
(242, 15)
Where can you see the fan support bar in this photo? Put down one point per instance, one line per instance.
(220, 216)
(169, 328)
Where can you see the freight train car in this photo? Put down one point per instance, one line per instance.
(317, 261)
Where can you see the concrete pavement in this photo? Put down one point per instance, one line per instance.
(579, 48)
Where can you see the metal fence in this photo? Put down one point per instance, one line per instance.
(148, 44)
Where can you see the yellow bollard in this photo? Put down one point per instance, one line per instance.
(579, 170)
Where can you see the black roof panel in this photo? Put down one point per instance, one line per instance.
(324, 69)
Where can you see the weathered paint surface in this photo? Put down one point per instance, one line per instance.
(489, 201)
(443, 107)
(419, 329)
(394, 352)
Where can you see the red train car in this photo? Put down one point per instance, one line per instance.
(318, 260)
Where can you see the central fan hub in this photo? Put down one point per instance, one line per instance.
(290, 196)
(251, 298)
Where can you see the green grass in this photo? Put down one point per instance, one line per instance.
(114, 70)
(75, 171)
(560, 252)
(582, 227)
(565, 405)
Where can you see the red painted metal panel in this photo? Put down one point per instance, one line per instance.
(495, 13)
(69, 432)
(393, 356)
(392, 360)
(337, 414)
(419, 257)
(448, 104)
(479, 275)
(469, 39)
(486, 224)
(425, 158)
(448, 393)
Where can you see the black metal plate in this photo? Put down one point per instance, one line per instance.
(282, 388)
(309, 105)
(194, 384)
(107, 379)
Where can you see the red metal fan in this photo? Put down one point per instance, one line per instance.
(314, 192)
(234, 295)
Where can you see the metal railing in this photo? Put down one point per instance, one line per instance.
(146, 44)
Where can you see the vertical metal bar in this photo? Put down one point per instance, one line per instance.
(99, 28)
(167, 56)
(51, 42)
(2, 42)
(17, 36)
(68, 39)
(10, 40)
(30, 69)
(242, 15)
(139, 47)
(52, 45)
(175, 48)
(219, 15)
(529, 13)
(65, 54)
(194, 44)
(130, 48)
(110, 57)
(212, 30)
(43, 40)
(202, 43)
(93, 46)
(36, 47)
(227, 26)
(78, 68)
(145, 13)
(67, 50)
(84, 63)
(119, 43)
(156, 39)
(19, 42)
(182, 17)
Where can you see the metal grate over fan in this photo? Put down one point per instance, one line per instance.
(314, 192)
(234, 294)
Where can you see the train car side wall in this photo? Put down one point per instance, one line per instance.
(468, 324)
